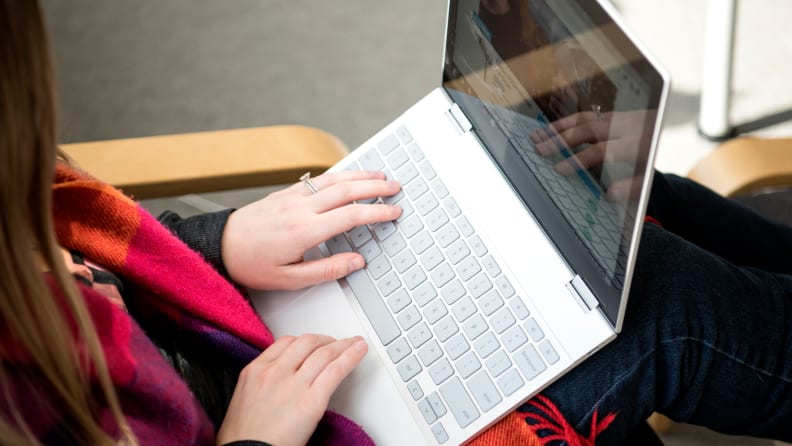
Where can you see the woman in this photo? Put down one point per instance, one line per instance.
(76, 368)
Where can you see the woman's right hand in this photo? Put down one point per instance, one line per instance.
(283, 393)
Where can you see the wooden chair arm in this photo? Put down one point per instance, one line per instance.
(178, 164)
(745, 164)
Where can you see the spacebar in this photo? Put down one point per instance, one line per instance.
(377, 312)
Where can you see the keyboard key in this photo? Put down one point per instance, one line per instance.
(441, 371)
(529, 362)
(407, 210)
(424, 294)
(415, 152)
(491, 266)
(477, 246)
(510, 382)
(429, 353)
(403, 134)
(436, 219)
(370, 160)
(427, 170)
(501, 320)
(419, 335)
(491, 302)
(414, 277)
(468, 268)
(398, 350)
(403, 261)
(505, 287)
(456, 346)
(459, 402)
(439, 433)
(467, 364)
(452, 207)
(378, 267)
(394, 244)
(337, 244)
(513, 338)
(406, 173)
(388, 283)
(388, 144)
(474, 327)
(408, 368)
(446, 235)
(359, 236)
(426, 203)
(370, 250)
(435, 310)
(384, 230)
(463, 309)
(533, 329)
(378, 314)
(421, 242)
(431, 258)
(519, 308)
(439, 188)
(415, 390)
(445, 328)
(452, 291)
(484, 391)
(426, 410)
(548, 351)
(498, 363)
(486, 344)
(415, 188)
(457, 251)
(479, 285)
(442, 275)
(437, 404)
(409, 317)
(397, 158)
(464, 226)
(411, 226)
(398, 300)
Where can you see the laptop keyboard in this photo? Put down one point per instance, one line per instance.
(453, 326)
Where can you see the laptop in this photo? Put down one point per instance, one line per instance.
(525, 177)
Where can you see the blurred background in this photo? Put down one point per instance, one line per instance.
(149, 67)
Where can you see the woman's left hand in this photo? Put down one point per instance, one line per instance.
(264, 242)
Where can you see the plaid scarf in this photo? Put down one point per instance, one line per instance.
(109, 228)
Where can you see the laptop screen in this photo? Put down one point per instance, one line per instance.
(567, 106)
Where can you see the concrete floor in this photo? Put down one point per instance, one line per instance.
(147, 67)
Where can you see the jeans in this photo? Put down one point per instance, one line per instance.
(707, 337)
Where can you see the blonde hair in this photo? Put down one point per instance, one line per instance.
(36, 322)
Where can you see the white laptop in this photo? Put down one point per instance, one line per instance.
(508, 266)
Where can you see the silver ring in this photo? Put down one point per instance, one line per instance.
(598, 110)
(306, 179)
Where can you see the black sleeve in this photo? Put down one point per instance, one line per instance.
(203, 233)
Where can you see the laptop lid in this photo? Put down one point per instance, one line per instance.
(569, 107)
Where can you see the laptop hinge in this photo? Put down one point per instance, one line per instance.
(581, 292)
(458, 119)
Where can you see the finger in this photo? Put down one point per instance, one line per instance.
(273, 351)
(327, 179)
(344, 218)
(563, 124)
(321, 357)
(624, 189)
(592, 155)
(304, 274)
(331, 376)
(296, 353)
(345, 192)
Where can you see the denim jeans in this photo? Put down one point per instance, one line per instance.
(707, 337)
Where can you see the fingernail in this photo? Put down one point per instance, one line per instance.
(356, 263)
(360, 345)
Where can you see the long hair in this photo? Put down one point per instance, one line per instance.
(32, 320)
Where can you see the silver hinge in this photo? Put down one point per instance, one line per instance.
(581, 292)
(458, 119)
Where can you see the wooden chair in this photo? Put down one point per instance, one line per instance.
(169, 165)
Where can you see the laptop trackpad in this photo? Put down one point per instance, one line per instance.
(367, 396)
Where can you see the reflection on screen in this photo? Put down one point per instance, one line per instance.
(571, 106)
